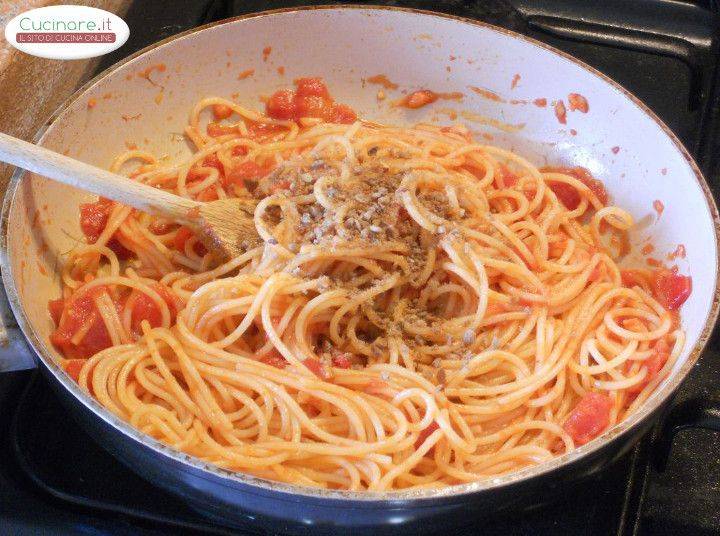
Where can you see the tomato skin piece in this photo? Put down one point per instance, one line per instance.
(312, 87)
(424, 434)
(281, 105)
(589, 418)
(671, 289)
(73, 367)
(55, 307)
(420, 98)
(343, 114)
(221, 111)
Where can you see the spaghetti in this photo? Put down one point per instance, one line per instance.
(418, 310)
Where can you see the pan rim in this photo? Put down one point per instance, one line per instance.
(342, 498)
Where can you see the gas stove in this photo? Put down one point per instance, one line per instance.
(55, 479)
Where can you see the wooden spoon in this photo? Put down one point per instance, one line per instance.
(223, 225)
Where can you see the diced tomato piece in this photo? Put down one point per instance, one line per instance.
(420, 98)
(208, 194)
(239, 150)
(77, 312)
(568, 195)
(653, 364)
(313, 106)
(631, 278)
(274, 359)
(216, 129)
(73, 367)
(145, 308)
(671, 289)
(657, 361)
(281, 105)
(310, 99)
(342, 113)
(159, 227)
(578, 102)
(589, 418)
(312, 87)
(212, 160)
(56, 308)
(246, 171)
(221, 111)
(424, 434)
(182, 235)
(561, 112)
(316, 368)
(94, 218)
(342, 360)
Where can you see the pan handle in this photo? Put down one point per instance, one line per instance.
(15, 353)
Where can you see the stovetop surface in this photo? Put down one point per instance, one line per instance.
(55, 480)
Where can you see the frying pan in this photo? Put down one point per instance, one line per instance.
(619, 140)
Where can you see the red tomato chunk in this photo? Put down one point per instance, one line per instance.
(310, 99)
(589, 418)
(568, 195)
(76, 313)
(145, 308)
(671, 289)
(424, 434)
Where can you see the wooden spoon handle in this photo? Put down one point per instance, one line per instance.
(80, 175)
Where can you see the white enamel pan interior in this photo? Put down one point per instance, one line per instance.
(618, 139)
